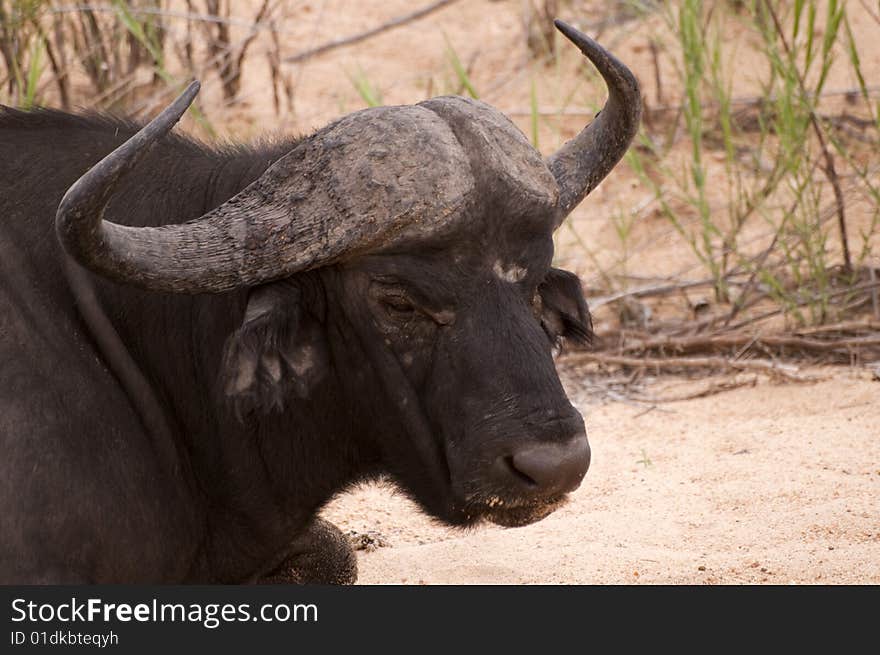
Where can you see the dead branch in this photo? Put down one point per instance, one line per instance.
(58, 71)
(866, 286)
(784, 371)
(846, 326)
(712, 388)
(363, 36)
(658, 290)
(726, 342)
(875, 301)
(871, 13)
(188, 16)
(232, 78)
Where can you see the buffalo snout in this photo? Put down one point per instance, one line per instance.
(547, 469)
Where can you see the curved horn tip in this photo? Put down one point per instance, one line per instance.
(607, 64)
(585, 160)
(176, 109)
(79, 217)
(192, 90)
(575, 36)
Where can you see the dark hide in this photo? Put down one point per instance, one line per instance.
(426, 364)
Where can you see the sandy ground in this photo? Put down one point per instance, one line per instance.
(768, 484)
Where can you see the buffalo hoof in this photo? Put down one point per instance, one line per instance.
(321, 554)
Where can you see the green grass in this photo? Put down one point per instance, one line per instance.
(461, 73)
(35, 69)
(368, 92)
(775, 176)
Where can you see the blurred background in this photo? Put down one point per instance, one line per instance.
(741, 227)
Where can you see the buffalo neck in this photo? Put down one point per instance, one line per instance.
(250, 497)
(243, 471)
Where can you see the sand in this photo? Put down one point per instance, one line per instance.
(767, 484)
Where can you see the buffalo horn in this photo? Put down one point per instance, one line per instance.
(583, 162)
(350, 188)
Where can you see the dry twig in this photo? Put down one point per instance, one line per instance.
(713, 387)
(726, 342)
(846, 326)
(784, 371)
(363, 36)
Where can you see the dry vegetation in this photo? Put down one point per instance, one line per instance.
(741, 232)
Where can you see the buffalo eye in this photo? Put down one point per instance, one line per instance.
(398, 303)
(395, 304)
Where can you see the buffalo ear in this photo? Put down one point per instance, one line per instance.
(275, 354)
(564, 311)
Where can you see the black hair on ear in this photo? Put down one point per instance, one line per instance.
(274, 355)
(564, 311)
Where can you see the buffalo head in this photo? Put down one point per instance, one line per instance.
(399, 260)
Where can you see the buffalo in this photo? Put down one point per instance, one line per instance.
(200, 346)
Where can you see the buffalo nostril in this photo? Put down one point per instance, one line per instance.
(553, 467)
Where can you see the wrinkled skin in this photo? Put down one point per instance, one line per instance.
(429, 362)
(464, 355)
(462, 358)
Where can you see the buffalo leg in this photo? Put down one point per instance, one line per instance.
(321, 554)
